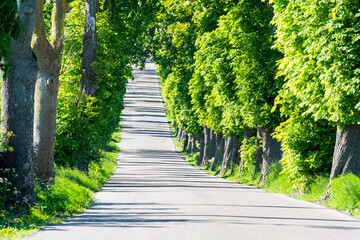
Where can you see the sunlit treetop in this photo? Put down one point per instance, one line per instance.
(320, 41)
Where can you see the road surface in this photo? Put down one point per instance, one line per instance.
(155, 195)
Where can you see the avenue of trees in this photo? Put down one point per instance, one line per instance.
(247, 83)
(64, 68)
(250, 83)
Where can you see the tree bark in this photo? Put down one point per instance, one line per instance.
(49, 56)
(206, 150)
(185, 140)
(88, 85)
(236, 157)
(17, 106)
(259, 150)
(219, 155)
(346, 158)
(202, 149)
(212, 148)
(247, 136)
(189, 143)
(179, 134)
(271, 153)
(228, 154)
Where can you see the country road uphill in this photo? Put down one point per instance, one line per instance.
(155, 195)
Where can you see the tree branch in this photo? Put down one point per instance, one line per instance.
(58, 18)
(40, 44)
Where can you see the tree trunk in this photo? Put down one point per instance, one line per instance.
(212, 148)
(271, 153)
(228, 154)
(346, 158)
(259, 149)
(88, 85)
(45, 124)
(177, 132)
(46, 89)
(185, 140)
(183, 136)
(194, 147)
(237, 146)
(219, 155)
(17, 106)
(189, 143)
(206, 150)
(247, 136)
(236, 157)
(201, 150)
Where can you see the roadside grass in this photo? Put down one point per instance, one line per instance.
(72, 192)
(344, 190)
(346, 194)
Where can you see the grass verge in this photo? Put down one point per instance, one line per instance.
(71, 193)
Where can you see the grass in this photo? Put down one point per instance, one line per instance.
(71, 193)
(346, 194)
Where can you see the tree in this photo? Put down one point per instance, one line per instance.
(86, 122)
(213, 95)
(17, 105)
(252, 36)
(88, 85)
(177, 30)
(321, 68)
(234, 85)
(49, 54)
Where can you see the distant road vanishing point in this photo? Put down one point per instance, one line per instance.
(155, 195)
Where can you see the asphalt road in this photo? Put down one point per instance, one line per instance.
(156, 195)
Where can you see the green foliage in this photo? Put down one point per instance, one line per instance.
(133, 21)
(345, 193)
(320, 42)
(277, 182)
(7, 191)
(177, 31)
(192, 159)
(86, 124)
(179, 24)
(72, 192)
(10, 29)
(251, 36)
(307, 149)
(248, 154)
(235, 66)
(316, 189)
(212, 85)
(116, 136)
(69, 121)
(112, 147)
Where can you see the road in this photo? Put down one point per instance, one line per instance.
(155, 195)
